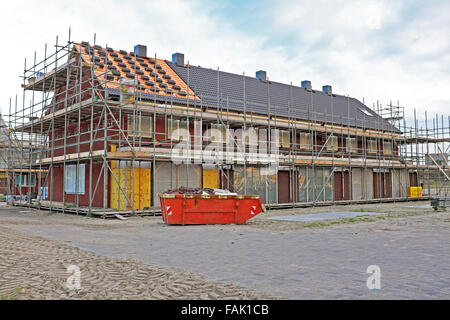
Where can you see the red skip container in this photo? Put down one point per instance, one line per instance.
(185, 209)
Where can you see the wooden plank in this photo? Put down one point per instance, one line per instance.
(59, 113)
(72, 156)
(23, 170)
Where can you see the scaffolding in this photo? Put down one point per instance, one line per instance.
(103, 144)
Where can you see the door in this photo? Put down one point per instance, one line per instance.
(346, 185)
(284, 189)
(338, 194)
(210, 178)
(378, 185)
(382, 185)
(227, 180)
(341, 186)
(413, 179)
(387, 185)
(130, 188)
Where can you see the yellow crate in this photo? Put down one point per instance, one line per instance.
(414, 192)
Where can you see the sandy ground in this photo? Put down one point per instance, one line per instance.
(143, 258)
(36, 268)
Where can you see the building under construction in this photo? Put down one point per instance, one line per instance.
(16, 176)
(106, 131)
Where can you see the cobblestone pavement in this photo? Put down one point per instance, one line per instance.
(36, 268)
(330, 262)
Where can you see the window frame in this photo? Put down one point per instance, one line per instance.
(21, 182)
(220, 127)
(374, 148)
(391, 148)
(333, 143)
(350, 147)
(139, 133)
(172, 125)
(255, 142)
(306, 141)
(81, 178)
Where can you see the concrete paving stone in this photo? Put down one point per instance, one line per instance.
(302, 263)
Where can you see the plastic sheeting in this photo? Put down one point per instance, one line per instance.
(167, 176)
(254, 181)
(314, 184)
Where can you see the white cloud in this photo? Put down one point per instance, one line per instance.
(362, 48)
(374, 49)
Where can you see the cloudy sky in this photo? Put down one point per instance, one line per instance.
(376, 49)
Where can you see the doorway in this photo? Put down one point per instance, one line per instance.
(341, 185)
(382, 185)
(284, 187)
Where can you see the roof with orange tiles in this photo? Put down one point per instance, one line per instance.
(153, 76)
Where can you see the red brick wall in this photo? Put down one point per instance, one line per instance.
(57, 186)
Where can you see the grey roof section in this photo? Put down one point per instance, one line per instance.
(285, 100)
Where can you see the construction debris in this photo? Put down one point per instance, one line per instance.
(205, 191)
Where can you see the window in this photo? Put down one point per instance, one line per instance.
(218, 132)
(332, 144)
(352, 145)
(74, 179)
(387, 148)
(251, 137)
(372, 146)
(172, 125)
(285, 141)
(26, 180)
(144, 126)
(184, 125)
(183, 129)
(305, 141)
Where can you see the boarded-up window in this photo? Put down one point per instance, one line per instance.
(332, 144)
(387, 148)
(305, 141)
(372, 146)
(140, 126)
(352, 145)
(74, 179)
(218, 132)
